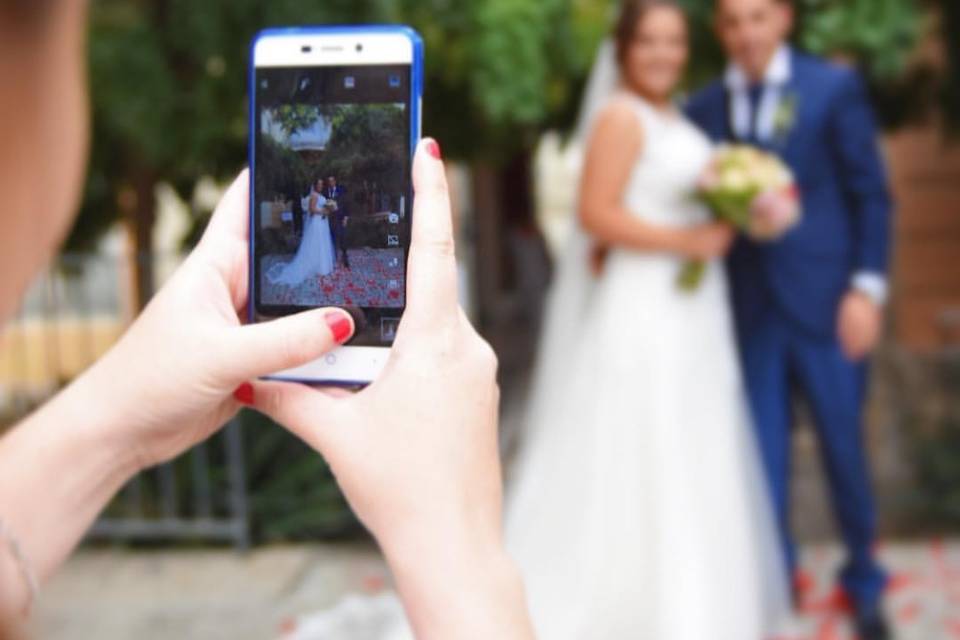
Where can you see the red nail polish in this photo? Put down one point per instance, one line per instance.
(340, 326)
(244, 394)
(433, 148)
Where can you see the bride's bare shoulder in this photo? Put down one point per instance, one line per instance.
(618, 109)
(617, 122)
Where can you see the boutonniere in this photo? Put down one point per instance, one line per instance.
(786, 116)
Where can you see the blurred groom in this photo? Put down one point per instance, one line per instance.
(809, 308)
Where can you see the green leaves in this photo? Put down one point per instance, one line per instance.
(878, 34)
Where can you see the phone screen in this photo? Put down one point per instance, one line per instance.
(332, 193)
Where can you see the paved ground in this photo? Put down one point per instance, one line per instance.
(115, 594)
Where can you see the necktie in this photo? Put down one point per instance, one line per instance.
(756, 95)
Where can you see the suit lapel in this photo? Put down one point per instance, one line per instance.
(792, 108)
(729, 130)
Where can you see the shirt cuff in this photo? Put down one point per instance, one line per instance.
(873, 285)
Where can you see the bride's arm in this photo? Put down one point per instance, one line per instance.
(617, 141)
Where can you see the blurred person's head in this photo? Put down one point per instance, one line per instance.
(652, 46)
(752, 30)
(318, 185)
(43, 134)
(332, 181)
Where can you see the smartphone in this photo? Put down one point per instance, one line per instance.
(334, 120)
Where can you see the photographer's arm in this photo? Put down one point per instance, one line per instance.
(58, 469)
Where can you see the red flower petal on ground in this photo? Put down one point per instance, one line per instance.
(909, 612)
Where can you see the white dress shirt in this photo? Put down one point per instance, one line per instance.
(778, 75)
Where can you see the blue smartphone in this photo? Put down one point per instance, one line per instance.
(335, 115)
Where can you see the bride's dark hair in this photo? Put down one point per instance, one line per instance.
(631, 13)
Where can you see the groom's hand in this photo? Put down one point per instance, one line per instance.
(598, 259)
(859, 326)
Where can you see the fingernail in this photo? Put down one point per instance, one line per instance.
(340, 325)
(244, 394)
(433, 148)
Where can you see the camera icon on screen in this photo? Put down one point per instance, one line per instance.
(388, 329)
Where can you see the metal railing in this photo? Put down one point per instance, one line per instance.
(181, 500)
(70, 316)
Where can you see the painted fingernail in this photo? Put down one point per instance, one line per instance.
(244, 394)
(433, 148)
(340, 325)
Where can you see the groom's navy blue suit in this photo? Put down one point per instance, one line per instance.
(786, 295)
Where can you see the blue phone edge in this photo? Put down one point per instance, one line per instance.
(416, 85)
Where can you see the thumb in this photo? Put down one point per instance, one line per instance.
(260, 349)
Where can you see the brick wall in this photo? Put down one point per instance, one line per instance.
(925, 169)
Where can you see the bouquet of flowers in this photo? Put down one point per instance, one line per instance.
(752, 190)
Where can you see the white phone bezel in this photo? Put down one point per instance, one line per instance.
(345, 365)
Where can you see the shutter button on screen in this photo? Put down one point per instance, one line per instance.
(330, 359)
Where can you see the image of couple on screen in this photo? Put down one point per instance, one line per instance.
(321, 245)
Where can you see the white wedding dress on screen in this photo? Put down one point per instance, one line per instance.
(315, 255)
(636, 507)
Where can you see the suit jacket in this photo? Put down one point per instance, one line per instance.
(828, 136)
(338, 194)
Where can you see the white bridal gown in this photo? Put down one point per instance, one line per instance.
(636, 508)
(315, 255)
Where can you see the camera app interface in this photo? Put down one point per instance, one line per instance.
(332, 194)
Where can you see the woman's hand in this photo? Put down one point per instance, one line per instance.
(598, 259)
(706, 242)
(170, 380)
(416, 452)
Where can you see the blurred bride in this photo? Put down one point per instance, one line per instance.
(315, 255)
(637, 508)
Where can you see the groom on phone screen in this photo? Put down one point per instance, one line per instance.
(809, 308)
(338, 223)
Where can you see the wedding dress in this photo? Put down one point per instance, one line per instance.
(315, 256)
(636, 507)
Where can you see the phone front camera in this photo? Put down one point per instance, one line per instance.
(359, 47)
